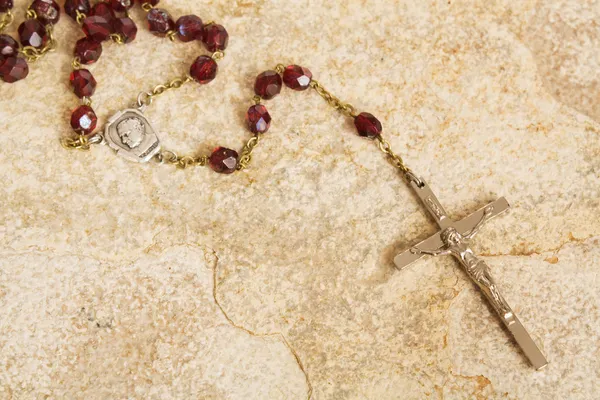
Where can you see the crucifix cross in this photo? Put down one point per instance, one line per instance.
(454, 239)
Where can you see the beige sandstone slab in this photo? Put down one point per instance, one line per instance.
(107, 274)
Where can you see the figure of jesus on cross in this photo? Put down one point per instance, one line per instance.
(454, 239)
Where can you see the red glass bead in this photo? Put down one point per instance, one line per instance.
(47, 11)
(84, 120)
(88, 50)
(13, 69)
(33, 33)
(223, 160)
(6, 5)
(189, 27)
(72, 6)
(296, 77)
(8, 46)
(367, 125)
(258, 119)
(121, 5)
(151, 2)
(160, 22)
(268, 85)
(204, 69)
(83, 83)
(215, 37)
(126, 28)
(102, 9)
(97, 28)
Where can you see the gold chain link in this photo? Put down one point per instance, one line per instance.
(6, 19)
(146, 98)
(217, 55)
(345, 108)
(246, 156)
(279, 68)
(394, 158)
(81, 142)
(147, 7)
(117, 38)
(181, 162)
(80, 17)
(172, 35)
(31, 14)
(76, 63)
(32, 54)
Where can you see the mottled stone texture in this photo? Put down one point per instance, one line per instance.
(120, 280)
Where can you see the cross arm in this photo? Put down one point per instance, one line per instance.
(464, 226)
(406, 258)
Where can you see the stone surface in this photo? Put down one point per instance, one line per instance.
(120, 280)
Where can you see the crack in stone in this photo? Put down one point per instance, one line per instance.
(259, 335)
(527, 253)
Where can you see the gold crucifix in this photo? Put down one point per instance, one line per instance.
(454, 239)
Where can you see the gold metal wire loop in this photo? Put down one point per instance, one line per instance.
(81, 142)
(279, 68)
(147, 7)
(79, 17)
(246, 156)
(31, 14)
(76, 63)
(6, 19)
(117, 38)
(217, 55)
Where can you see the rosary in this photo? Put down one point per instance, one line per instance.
(131, 135)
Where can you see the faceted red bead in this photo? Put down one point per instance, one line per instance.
(47, 11)
(72, 6)
(33, 33)
(84, 120)
(223, 160)
(204, 69)
(268, 85)
(102, 9)
(296, 77)
(121, 5)
(215, 37)
(258, 119)
(126, 28)
(367, 125)
(8, 46)
(6, 5)
(97, 28)
(189, 27)
(83, 83)
(160, 22)
(88, 50)
(13, 69)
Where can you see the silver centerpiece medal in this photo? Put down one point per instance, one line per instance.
(130, 134)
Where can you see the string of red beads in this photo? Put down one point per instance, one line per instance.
(33, 32)
(109, 20)
(268, 84)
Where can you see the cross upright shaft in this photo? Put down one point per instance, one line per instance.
(454, 239)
